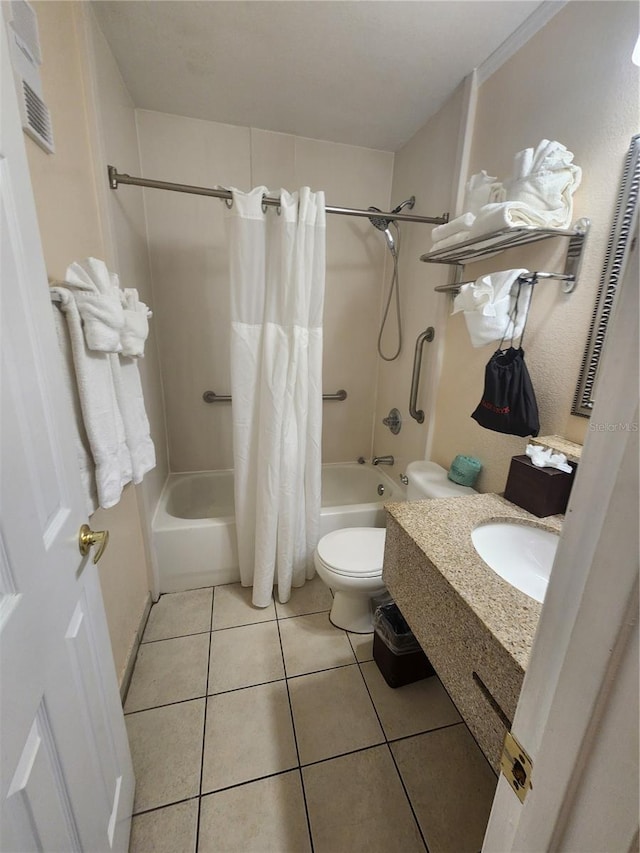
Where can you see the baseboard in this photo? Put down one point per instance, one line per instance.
(133, 652)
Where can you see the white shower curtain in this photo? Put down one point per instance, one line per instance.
(277, 272)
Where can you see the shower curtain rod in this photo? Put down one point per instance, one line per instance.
(115, 179)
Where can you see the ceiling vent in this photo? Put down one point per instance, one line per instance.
(26, 59)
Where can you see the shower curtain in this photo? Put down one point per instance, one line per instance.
(277, 272)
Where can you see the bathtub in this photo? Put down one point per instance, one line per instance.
(194, 529)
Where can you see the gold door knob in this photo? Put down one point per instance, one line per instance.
(89, 537)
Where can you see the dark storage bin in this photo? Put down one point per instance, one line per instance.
(541, 491)
(396, 650)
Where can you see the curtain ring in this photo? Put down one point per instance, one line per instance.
(228, 202)
(279, 210)
(264, 206)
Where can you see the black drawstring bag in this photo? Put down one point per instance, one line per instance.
(508, 402)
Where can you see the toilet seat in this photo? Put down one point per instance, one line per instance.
(353, 551)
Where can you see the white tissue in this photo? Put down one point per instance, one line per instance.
(544, 457)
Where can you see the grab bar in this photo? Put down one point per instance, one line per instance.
(428, 335)
(212, 397)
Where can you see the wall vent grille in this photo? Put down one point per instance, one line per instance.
(38, 117)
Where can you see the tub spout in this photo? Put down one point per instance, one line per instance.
(383, 460)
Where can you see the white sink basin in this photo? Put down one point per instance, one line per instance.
(522, 555)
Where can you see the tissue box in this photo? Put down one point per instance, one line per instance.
(542, 491)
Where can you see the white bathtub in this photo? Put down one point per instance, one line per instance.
(194, 529)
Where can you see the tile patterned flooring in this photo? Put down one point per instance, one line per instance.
(257, 730)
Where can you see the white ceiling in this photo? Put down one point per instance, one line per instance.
(363, 72)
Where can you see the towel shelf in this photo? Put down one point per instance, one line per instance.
(487, 245)
(212, 397)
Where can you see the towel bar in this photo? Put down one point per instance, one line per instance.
(525, 278)
(212, 397)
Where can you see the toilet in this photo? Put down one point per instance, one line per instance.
(350, 560)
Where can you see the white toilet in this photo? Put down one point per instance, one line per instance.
(350, 560)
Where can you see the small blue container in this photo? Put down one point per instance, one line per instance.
(465, 470)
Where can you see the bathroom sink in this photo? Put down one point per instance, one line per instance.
(520, 554)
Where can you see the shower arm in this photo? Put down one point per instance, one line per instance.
(116, 178)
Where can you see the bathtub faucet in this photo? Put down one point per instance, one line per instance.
(383, 460)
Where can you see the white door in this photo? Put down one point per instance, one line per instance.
(65, 767)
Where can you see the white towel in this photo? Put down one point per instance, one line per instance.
(482, 189)
(546, 179)
(460, 223)
(97, 296)
(489, 306)
(513, 214)
(79, 433)
(126, 381)
(100, 411)
(136, 325)
(459, 237)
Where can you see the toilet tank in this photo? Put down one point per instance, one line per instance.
(428, 480)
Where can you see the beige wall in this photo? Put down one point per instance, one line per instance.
(189, 261)
(573, 81)
(71, 228)
(116, 142)
(426, 168)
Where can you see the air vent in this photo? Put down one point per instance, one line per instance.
(38, 124)
(24, 45)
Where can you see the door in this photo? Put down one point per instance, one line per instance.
(65, 767)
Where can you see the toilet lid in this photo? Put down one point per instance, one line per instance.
(354, 551)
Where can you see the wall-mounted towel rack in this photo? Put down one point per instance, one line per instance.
(525, 278)
(487, 245)
(212, 397)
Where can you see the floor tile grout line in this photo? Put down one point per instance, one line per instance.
(166, 805)
(176, 637)
(165, 705)
(277, 773)
(395, 764)
(406, 793)
(204, 727)
(295, 740)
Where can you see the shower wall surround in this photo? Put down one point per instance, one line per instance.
(189, 256)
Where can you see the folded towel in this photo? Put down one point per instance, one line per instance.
(489, 306)
(136, 325)
(460, 223)
(515, 214)
(482, 189)
(78, 432)
(126, 381)
(100, 411)
(459, 237)
(97, 296)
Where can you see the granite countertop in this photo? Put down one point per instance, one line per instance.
(442, 527)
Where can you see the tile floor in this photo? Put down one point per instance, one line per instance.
(272, 730)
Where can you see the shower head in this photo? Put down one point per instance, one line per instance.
(379, 222)
(382, 224)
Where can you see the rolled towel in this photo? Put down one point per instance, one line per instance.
(489, 306)
(482, 189)
(97, 297)
(135, 331)
(460, 223)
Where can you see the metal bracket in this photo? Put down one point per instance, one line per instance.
(575, 253)
(516, 767)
